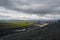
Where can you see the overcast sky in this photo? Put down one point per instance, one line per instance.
(29, 9)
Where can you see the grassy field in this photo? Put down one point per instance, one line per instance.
(14, 25)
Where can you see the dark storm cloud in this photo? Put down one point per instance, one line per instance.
(31, 6)
(5, 3)
(42, 9)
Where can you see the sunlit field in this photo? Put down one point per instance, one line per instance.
(14, 25)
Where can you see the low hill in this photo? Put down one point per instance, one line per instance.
(49, 32)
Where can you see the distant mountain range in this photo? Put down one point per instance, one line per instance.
(39, 21)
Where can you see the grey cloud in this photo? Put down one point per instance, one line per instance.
(3, 17)
(5, 3)
(14, 4)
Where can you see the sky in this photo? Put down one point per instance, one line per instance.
(29, 9)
